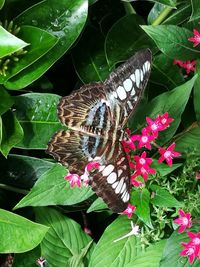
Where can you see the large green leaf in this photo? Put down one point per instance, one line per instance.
(37, 114)
(176, 44)
(19, 234)
(6, 101)
(180, 15)
(173, 102)
(2, 3)
(65, 19)
(12, 132)
(195, 10)
(98, 205)
(162, 198)
(196, 92)
(189, 141)
(125, 38)
(22, 171)
(9, 43)
(141, 198)
(172, 249)
(163, 169)
(52, 189)
(40, 43)
(110, 253)
(65, 239)
(150, 257)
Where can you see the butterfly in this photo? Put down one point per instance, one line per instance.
(96, 115)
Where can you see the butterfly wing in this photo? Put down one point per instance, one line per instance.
(126, 85)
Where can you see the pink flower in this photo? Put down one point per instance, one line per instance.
(135, 182)
(145, 139)
(190, 251)
(163, 121)
(74, 179)
(187, 65)
(195, 239)
(184, 221)
(142, 166)
(129, 210)
(92, 166)
(196, 38)
(168, 154)
(198, 175)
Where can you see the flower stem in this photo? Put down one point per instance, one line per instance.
(128, 8)
(162, 16)
(14, 189)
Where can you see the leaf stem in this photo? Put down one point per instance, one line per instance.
(14, 189)
(128, 8)
(162, 16)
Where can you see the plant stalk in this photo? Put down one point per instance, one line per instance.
(162, 16)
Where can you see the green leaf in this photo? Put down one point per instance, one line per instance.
(40, 43)
(189, 141)
(165, 73)
(151, 257)
(97, 205)
(2, 2)
(173, 102)
(162, 198)
(37, 114)
(27, 259)
(155, 12)
(6, 101)
(171, 3)
(176, 45)
(110, 253)
(140, 198)
(64, 19)
(52, 189)
(9, 43)
(65, 239)
(180, 15)
(163, 169)
(91, 65)
(26, 234)
(132, 38)
(22, 171)
(196, 92)
(12, 132)
(171, 256)
(195, 10)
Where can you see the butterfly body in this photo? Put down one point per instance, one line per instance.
(96, 115)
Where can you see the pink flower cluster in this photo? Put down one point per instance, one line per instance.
(191, 248)
(189, 65)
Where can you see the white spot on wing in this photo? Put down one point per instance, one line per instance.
(123, 188)
(115, 184)
(132, 77)
(101, 168)
(118, 188)
(112, 178)
(121, 93)
(133, 91)
(135, 98)
(141, 76)
(119, 172)
(137, 77)
(147, 65)
(108, 169)
(115, 95)
(127, 85)
(130, 104)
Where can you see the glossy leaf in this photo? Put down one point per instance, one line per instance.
(132, 38)
(110, 253)
(64, 19)
(195, 10)
(37, 114)
(40, 43)
(22, 171)
(2, 2)
(6, 101)
(97, 205)
(26, 234)
(175, 105)
(155, 12)
(12, 132)
(141, 199)
(172, 249)
(189, 141)
(52, 189)
(65, 239)
(176, 45)
(150, 257)
(91, 65)
(9, 43)
(171, 3)
(162, 198)
(179, 15)
(165, 73)
(163, 169)
(196, 92)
